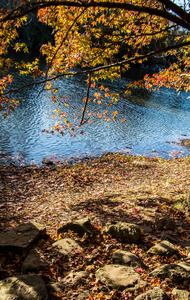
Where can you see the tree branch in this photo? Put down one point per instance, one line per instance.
(182, 18)
(97, 69)
(87, 99)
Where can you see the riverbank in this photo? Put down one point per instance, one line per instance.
(105, 188)
(148, 192)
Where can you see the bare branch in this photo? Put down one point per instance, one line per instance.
(87, 99)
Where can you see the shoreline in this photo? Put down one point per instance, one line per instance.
(49, 192)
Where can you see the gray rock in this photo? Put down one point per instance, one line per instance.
(23, 287)
(76, 278)
(147, 229)
(168, 237)
(180, 294)
(163, 248)
(81, 227)
(126, 232)
(21, 237)
(154, 294)
(67, 246)
(46, 161)
(121, 277)
(172, 271)
(33, 262)
(124, 257)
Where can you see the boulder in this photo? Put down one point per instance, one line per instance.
(21, 237)
(126, 232)
(163, 248)
(81, 227)
(154, 294)
(23, 287)
(180, 294)
(174, 272)
(67, 246)
(33, 262)
(122, 277)
(124, 257)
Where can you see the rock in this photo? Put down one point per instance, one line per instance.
(173, 271)
(186, 143)
(76, 278)
(186, 245)
(168, 237)
(33, 262)
(23, 287)
(164, 222)
(67, 246)
(124, 257)
(185, 265)
(154, 294)
(163, 248)
(56, 287)
(141, 164)
(21, 237)
(47, 161)
(147, 229)
(121, 277)
(83, 296)
(126, 232)
(81, 227)
(180, 294)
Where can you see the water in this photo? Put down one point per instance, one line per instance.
(155, 124)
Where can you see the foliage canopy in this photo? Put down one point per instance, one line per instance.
(98, 38)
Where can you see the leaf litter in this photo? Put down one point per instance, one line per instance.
(149, 192)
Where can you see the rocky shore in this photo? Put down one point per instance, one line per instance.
(113, 228)
(93, 263)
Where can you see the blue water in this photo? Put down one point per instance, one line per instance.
(155, 124)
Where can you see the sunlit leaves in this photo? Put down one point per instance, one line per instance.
(102, 42)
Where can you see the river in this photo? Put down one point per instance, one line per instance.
(155, 124)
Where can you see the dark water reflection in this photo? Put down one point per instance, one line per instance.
(154, 121)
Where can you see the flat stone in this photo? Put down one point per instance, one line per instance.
(83, 296)
(122, 277)
(186, 245)
(81, 227)
(33, 262)
(163, 248)
(169, 237)
(126, 232)
(67, 246)
(154, 294)
(180, 294)
(21, 237)
(75, 278)
(185, 265)
(23, 287)
(124, 257)
(172, 271)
